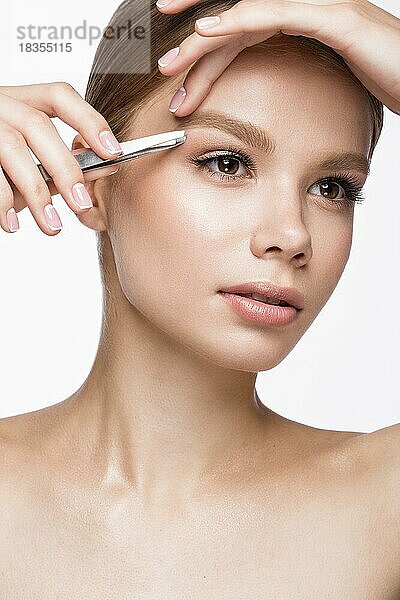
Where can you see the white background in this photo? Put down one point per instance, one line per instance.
(341, 375)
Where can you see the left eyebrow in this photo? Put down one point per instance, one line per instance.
(346, 160)
(257, 137)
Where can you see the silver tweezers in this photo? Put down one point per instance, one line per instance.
(89, 160)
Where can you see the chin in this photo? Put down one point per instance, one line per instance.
(253, 354)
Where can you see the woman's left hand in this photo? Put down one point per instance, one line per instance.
(365, 35)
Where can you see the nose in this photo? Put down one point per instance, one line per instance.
(283, 234)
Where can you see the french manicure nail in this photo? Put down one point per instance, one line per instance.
(52, 218)
(207, 22)
(162, 3)
(110, 142)
(12, 220)
(81, 196)
(168, 57)
(177, 99)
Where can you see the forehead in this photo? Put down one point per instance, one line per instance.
(297, 99)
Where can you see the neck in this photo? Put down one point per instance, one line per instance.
(163, 415)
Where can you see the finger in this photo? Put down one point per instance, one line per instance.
(203, 74)
(392, 101)
(174, 6)
(87, 175)
(19, 201)
(331, 23)
(44, 140)
(288, 16)
(8, 216)
(191, 49)
(60, 99)
(21, 171)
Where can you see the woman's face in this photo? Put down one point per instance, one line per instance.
(181, 232)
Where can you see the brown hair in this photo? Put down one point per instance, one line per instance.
(118, 93)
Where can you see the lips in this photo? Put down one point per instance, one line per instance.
(289, 295)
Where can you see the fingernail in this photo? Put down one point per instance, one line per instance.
(207, 22)
(162, 3)
(81, 196)
(177, 99)
(52, 218)
(110, 142)
(12, 220)
(168, 57)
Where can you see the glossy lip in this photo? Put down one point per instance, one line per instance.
(290, 295)
(259, 312)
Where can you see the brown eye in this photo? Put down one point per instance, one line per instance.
(227, 165)
(329, 189)
(352, 192)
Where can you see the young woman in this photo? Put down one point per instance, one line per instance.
(163, 476)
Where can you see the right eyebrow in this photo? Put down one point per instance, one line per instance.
(258, 138)
(247, 132)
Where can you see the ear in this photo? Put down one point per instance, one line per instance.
(96, 217)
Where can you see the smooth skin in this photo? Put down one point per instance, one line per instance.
(160, 476)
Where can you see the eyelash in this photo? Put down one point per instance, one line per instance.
(353, 192)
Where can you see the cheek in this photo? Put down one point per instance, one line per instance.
(168, 236)
(177, 229)
(331, 249)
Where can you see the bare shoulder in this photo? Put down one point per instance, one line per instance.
(16, 473)
(34, 457)
(21, 433)
(44, 453)
(377, 459)
(28, 443)
(369, 463)
(26, 476)
(20, 437)
(383, 446)
(381, 450)
(386, 439)
(29, 430)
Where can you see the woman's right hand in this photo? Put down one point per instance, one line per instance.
(25, 122)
